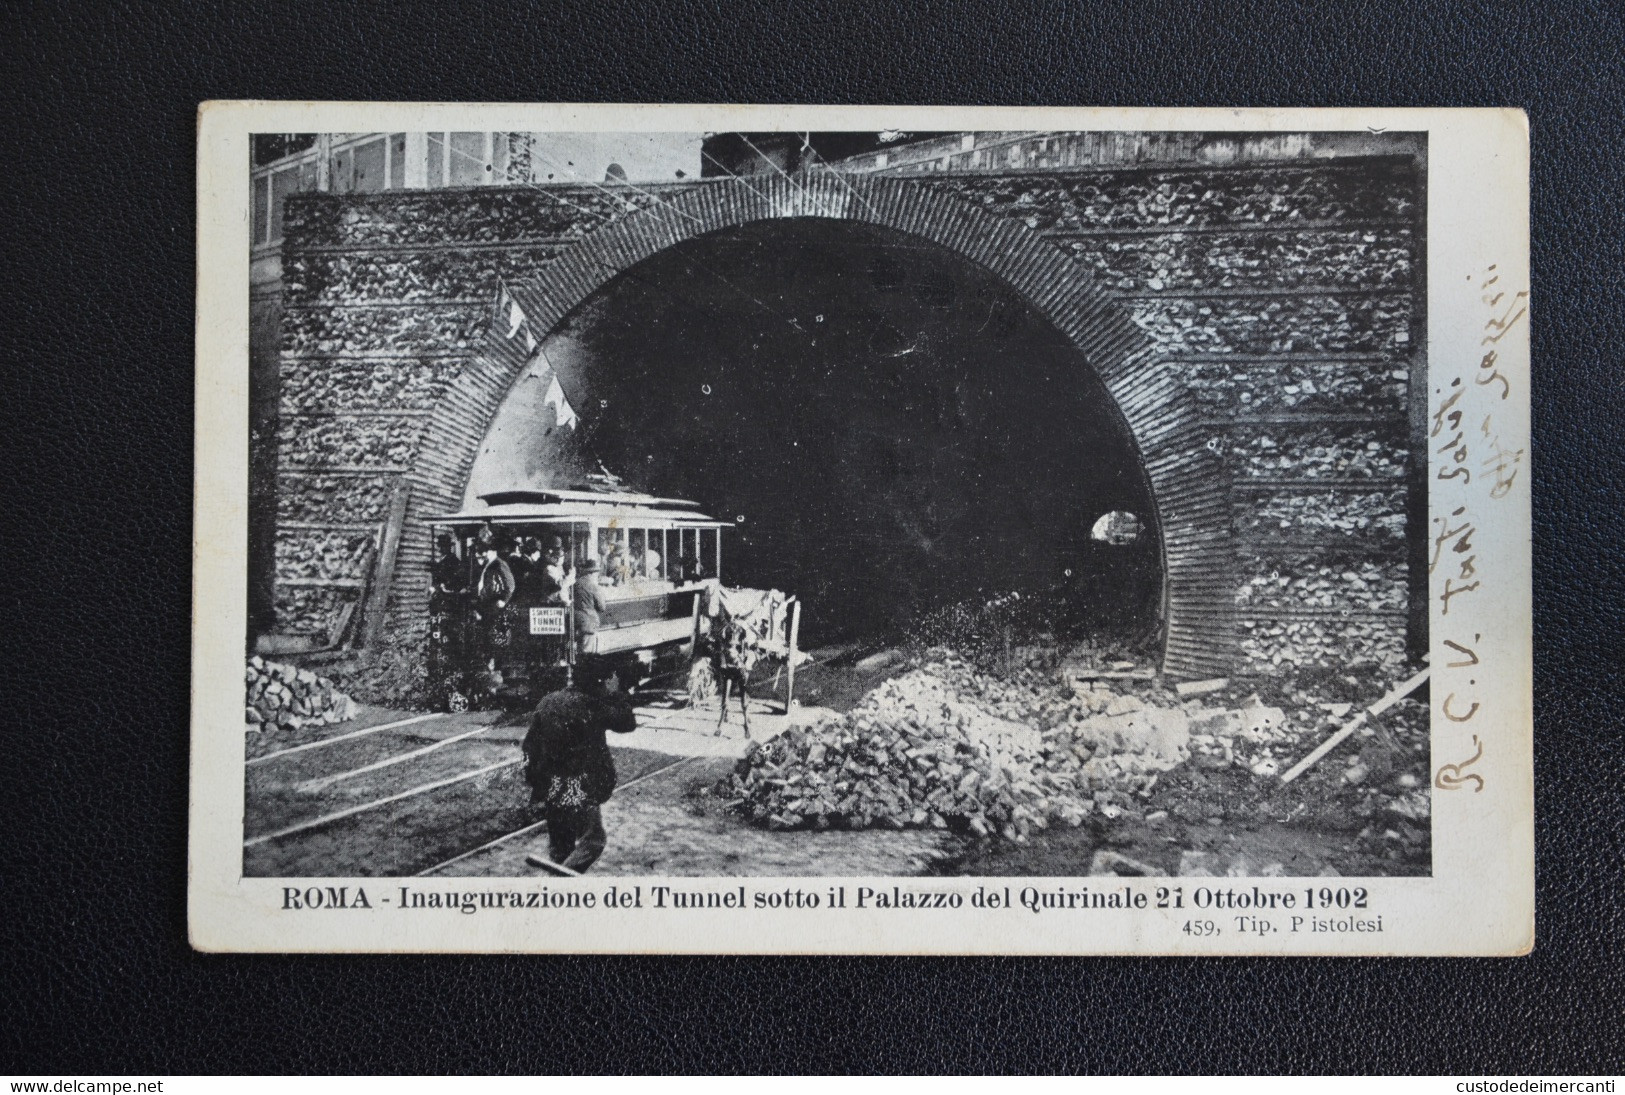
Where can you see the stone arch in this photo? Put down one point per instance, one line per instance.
(1188, 484)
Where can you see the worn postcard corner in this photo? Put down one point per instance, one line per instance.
(902, 530)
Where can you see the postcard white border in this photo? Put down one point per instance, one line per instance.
(1480, 897)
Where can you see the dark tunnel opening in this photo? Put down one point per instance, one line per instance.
(887, 425)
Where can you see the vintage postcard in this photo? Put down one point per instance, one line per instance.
(658, 529)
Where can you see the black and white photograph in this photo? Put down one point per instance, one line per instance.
(993, 503)
(1058, 519)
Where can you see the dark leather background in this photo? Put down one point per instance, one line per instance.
(97, 405)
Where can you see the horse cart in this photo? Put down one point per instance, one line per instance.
(657, 562)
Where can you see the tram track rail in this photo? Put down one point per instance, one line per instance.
(351, 736)
(322, 783)
(538, 826)
(365, 807)
(427, 788)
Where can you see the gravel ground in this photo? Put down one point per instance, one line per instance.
(1196, 822)
(664, 825)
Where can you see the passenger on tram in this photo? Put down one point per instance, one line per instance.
(448, 575)
(620, 573)
(588, 601)
(690, 569)
(495, 587)
(536, 586)
(515, 558)
(556, 571)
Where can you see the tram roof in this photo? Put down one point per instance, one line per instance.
(522, 506)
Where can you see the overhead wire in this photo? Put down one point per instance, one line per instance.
(628, 183)
(840, 176)
(665, 206)
(739, 178)
(769, 161)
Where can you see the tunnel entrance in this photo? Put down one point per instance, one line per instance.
(888, 425)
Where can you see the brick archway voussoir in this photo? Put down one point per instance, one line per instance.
(1189, 487)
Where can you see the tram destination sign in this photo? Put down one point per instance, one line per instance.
(547, 621)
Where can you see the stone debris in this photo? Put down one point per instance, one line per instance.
(1115, 863)
(874, 663)
(1194, 864)
(947, 746)
(285, 697)
(1003, 754)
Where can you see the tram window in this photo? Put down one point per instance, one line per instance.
(612, 555)
(654, 557)
(637, 546)
(708, 552)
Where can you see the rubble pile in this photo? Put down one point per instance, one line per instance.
(285, 697)
(947, 746)
(1380, 772)
(1009, 632)
(981, 630)
(1387, 767)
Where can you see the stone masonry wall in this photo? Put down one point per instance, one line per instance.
(1285, 293)
(1288, 295)
(386, 299)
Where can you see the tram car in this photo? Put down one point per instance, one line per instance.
(502, 626)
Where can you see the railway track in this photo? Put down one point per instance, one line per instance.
(351, 736)
(447, 766)
(467, 754)
(541, 825)
(352, 811)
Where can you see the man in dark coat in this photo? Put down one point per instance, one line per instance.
(515, 558)
(495, 586)
(448, 574)
(535, 586)
(493, 592)
(448, 618)
(568, 765)
(588, 601)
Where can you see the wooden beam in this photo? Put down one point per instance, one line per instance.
(694, 633)
(383, 579)
(1354, 724)
(790, 665)
(538, 860)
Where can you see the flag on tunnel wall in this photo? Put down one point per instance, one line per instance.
(563, 412)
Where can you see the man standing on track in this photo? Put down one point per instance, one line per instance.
(568, 764)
